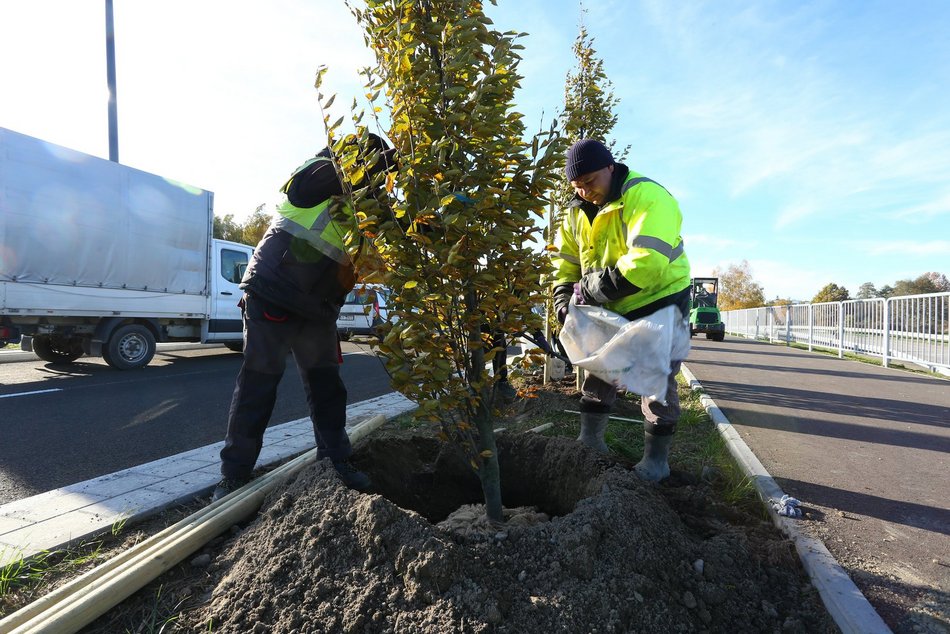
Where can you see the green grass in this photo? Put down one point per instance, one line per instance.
(29, 577)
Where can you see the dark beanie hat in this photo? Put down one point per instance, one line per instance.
(586, 156)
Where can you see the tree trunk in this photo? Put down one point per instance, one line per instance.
(488, 472)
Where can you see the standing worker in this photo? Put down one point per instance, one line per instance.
(619, 246)
(294, 287)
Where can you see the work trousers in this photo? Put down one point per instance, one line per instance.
(598, 396)
(270, 333)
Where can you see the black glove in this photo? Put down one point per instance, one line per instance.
(600, 287)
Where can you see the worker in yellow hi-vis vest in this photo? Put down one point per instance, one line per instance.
(619, 247)
(294, 287)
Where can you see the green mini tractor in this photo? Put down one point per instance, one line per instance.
(703, 313)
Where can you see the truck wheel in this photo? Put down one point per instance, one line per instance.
(235, 346)
(130, 346)
(719, 336)
(57, 349)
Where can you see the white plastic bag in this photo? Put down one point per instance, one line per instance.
(633, 355)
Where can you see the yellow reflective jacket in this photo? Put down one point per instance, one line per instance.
(313, 224)
(637, 233)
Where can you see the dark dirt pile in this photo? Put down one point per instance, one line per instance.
(617, 555)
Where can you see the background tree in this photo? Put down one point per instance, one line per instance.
(939, 281)
(737, 287)
(867, 291)
(249, 232)
(256, 226)
(886, 291)
(455, 230)
(831, 293)
(917, 286)
(226, 228)
(589, 106)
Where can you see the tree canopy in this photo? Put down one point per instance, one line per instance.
(249, 232)
(453, 225)
(930, 282)
(738, 288)
(589, 104)
(831, 293)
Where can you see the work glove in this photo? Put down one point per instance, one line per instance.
(787, 506)
(588, 290)
(579, 293)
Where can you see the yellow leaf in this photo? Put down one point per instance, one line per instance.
(411, 284)
(486, 454)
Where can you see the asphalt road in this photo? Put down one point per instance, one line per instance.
(867, 451)
(61, 424)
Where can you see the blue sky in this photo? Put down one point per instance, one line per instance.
(811, 138)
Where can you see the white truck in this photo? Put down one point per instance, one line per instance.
(98, 258)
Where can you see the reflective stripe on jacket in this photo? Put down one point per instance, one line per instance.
(313, 224)
(638, 233)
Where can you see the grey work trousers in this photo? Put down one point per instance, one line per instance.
(270, 333)
(598, 396)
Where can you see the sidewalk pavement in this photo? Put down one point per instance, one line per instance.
(866, 450)
(71, 514)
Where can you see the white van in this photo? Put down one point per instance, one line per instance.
(366, 307)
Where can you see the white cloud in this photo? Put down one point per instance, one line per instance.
(908, 248)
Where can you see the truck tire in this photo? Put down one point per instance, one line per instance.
(57, 349)
(130, 346)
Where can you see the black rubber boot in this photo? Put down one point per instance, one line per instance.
(654, 466)
(593, 427)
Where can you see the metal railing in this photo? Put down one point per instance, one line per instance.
(912, 328)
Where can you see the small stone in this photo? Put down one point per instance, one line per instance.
(501, 536)
(493, 614)
(698, 566)
(638, 597)
(705, 616)
(201, 561)
(522, 575)
(689, 600)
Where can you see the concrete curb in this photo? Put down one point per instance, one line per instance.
(848, 607)
(69, 515)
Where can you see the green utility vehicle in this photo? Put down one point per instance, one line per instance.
(703, 312)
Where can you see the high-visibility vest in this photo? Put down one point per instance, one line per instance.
(639, 234)
(314, 224)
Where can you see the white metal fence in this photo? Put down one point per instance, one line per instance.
(912, 328)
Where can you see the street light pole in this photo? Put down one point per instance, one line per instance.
(110, 77)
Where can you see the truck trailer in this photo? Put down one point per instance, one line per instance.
(101, 259)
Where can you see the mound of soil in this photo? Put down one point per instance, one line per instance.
(595, 550)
